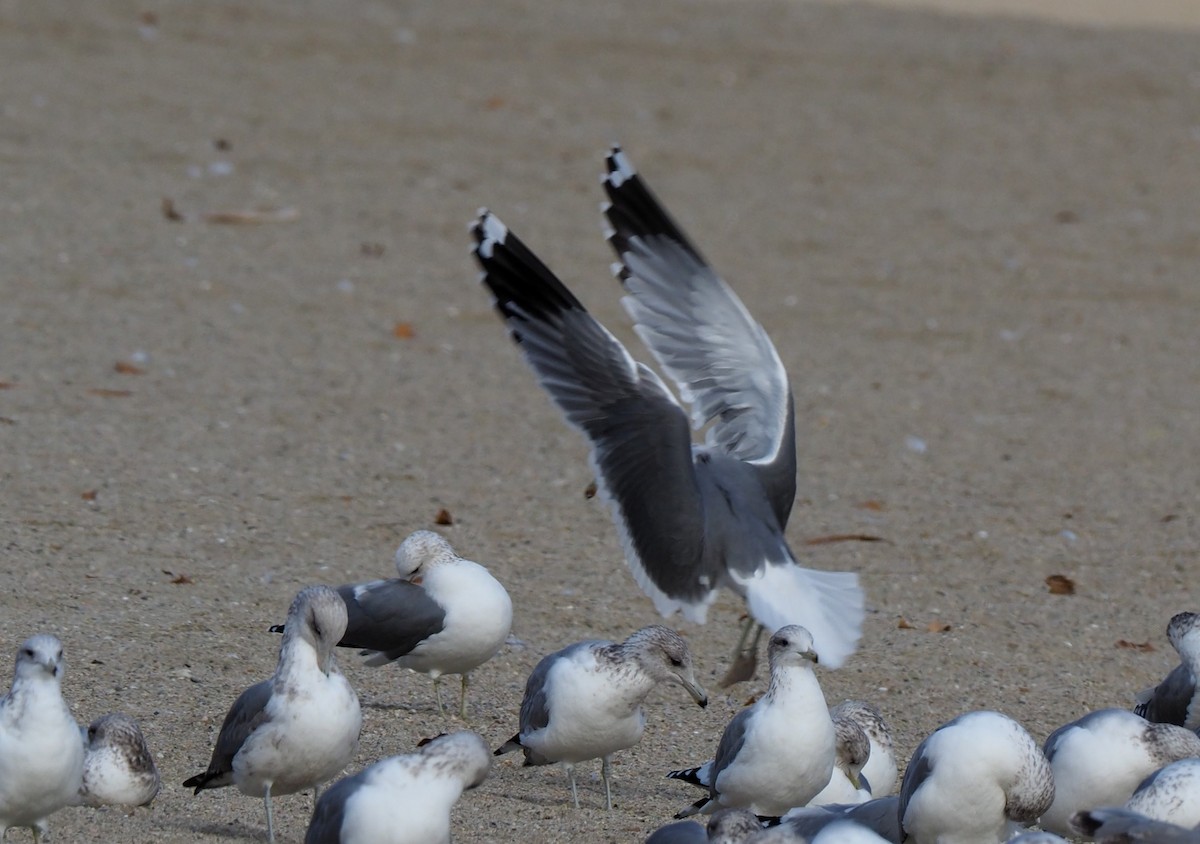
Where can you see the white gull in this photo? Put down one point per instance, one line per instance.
(298, 729)
(118, 769)
(779, 752)
(403, 799)
(975, 780)
(41, 755)
(585, 701)
(1099, 760)
(443, 615)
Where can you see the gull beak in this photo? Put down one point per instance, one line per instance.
(812, 657)
(416, 577)
(693, 688)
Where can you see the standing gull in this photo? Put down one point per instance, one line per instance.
(118, 769)
(443, 615)
(778, 753)
(298, 729)
(692, 518)
(41, 755)
(974, 780)
(404, 799)
(1174, 700)
(585, 701)
(1100, 759)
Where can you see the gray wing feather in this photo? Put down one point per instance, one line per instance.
(641, 444)
(326, 824)
(248, 712)
(1125, 827)
(1168, 702)
(681, 832)
(389, 616)
(919, 769)
(702, 335)
(881, 815)
(730, 745)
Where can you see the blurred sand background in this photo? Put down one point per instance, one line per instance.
(971, 232)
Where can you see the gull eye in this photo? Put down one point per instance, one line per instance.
(677, 662)
(27, 652)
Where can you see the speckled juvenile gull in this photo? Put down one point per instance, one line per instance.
(442, 615)
(779, 752)
(298, 729)
(881, 815)
(1174, 700)
(728, 826)
(118, 769)
(1101, 758)
(1171, 794)
(880, 771)
(403, 799)
(846, 783)
(41, 755)
(974, 780)
(692, 518)
(1121, 826)
(585, 701)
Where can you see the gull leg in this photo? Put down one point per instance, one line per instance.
(745, 660)
(605, 772)
(437, 690)
(270, 818)
(316, 795)
(462, 703)
(571, 780)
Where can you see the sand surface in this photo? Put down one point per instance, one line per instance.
(974, 241)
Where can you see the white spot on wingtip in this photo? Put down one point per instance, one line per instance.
(622, 170)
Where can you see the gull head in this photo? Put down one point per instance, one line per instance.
(791, 645)
(420, 550)
(39, 657)
(662, 653)
(1184, 632)
(464, 753)
(318, 617)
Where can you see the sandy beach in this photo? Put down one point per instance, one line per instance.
(243, 349)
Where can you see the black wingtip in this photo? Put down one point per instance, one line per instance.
(509, 746)
(275, 628)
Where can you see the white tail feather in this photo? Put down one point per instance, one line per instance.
(829, 604)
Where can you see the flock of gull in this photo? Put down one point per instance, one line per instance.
(693, 518)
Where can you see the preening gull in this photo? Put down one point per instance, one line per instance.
(692, 518)
(846, 783)
(298, 729)
(880, 772)
(403, 799)
(585, 701)
(118, 769)
(1170, 794)
(41, 755)
(443, 615)
(1122, 826)
(779, 752)
(1173, 701)
(974, 780)
(1101, 758)
(728, 826)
